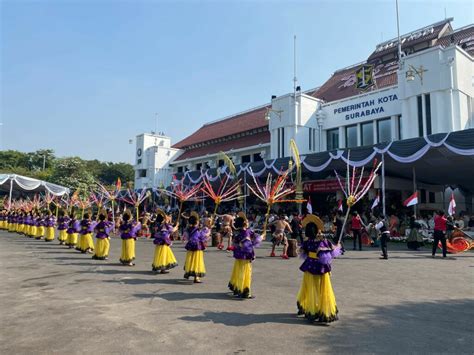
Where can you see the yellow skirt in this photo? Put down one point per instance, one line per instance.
(49, 234)
(2, 224)
(164, 258)
(102, 247)
(21, 228)
(85, 243)
(128, 251)
(62, 237)
(71, 239)
(33, 231)
(316, 298)
(241, 278)
(15, 227)
(39, 232)
(11, 227)
(194, 264)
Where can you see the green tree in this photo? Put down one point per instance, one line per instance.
(112, 171)
(73, 173)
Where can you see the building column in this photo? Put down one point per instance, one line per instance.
(342, 137)
(394, 128)
(359, 136)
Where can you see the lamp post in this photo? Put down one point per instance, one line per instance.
(320, 116)
(412, 71)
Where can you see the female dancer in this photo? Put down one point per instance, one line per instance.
(164, 258)
(103, 230)
(244, 242)
(39, 226)
(128, 232)
(73, 228)
(86, 244)
(50, 222)
(63, 222)
(196, 243)
(316, 300)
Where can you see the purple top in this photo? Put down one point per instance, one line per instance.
(50, 221)
(63, 222)
(322, 263)
(162, 237)
(129, 230)
(74, 226)
(87, 226)
(244, 242)
(39, 222)
(103, 229)
(195, 238)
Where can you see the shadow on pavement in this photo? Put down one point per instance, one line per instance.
(182, 296)
(406, 328)
(151, 281)
(234, 319)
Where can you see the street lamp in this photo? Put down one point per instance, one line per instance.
(412, 71)
(320, 116)
(277, 112)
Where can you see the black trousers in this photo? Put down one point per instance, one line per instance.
(357, 235)
(439, 236)
(383, 244)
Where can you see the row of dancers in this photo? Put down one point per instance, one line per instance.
(315, 300)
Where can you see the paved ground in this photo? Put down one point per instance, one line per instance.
(55, 300)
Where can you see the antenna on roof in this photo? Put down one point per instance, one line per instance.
(445, 16)
(295, 80)
(398, 36)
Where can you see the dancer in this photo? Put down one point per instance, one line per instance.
(279, 236)
(196, 243)
(316, 300)
(225, 231)
(39, 226)
(86, 244)
(73, 228)
(356, 227)
(415, 238)
(245, 240)
(63, 222)
(103, 230)
(128, 232)
(50, 222)
(439, 233)
(382, 227)
(164, 258)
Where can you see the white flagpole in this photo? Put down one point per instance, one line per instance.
(398, 35)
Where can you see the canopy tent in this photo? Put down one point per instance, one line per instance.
(12, 184)
(443, 159)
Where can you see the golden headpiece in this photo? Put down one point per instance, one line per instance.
(311, 218)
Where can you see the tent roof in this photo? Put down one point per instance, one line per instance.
(29, 185)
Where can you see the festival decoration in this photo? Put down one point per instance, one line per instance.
(111, 196)
(297, 161)
(273, 192)
(224, 193)
(136, 199)
(182, 193)
(232, 175)
(353, 188)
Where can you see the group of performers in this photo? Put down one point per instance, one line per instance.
(315, 300)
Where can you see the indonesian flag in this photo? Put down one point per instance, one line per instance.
(412, 200)
(118, 185)
(309, 207)
(376, 201)
(452, 205)
(339, 205)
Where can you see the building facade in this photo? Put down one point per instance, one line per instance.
(429, 90)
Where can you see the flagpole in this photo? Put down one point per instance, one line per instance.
(383, 184)
(414, 188)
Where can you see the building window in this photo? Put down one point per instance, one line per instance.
(246, 159)
(367, 133)
(351, 136)
(198, 166)
(384, 130)
(423, 195)
(432, 197)
(139, 161)
(310, 139)
(332, 136)
(282, 143)
(220, 163)
(419, 103)
(400, 127)
(180, 169)
(278, 143)
(142, 173)
(428, 113)
(257, 157)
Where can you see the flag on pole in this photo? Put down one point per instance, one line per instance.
(376, 201)
(412, 200)
(452, 205)
(339, 205)
(309, 207)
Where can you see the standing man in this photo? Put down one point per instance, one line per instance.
(279, 236)
(439, 232)
(381, 226)
(356, 227)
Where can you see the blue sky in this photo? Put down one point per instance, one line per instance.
(83, 77)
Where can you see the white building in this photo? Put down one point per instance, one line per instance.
(430, 90)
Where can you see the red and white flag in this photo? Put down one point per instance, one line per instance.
(339, 205)
(309, 207)
(452, 205)
(412, 200)
(376, 201)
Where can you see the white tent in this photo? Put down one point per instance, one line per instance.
(11, 182)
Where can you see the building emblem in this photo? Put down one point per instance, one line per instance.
(365, 77)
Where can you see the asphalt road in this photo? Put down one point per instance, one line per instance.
(56, 300)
